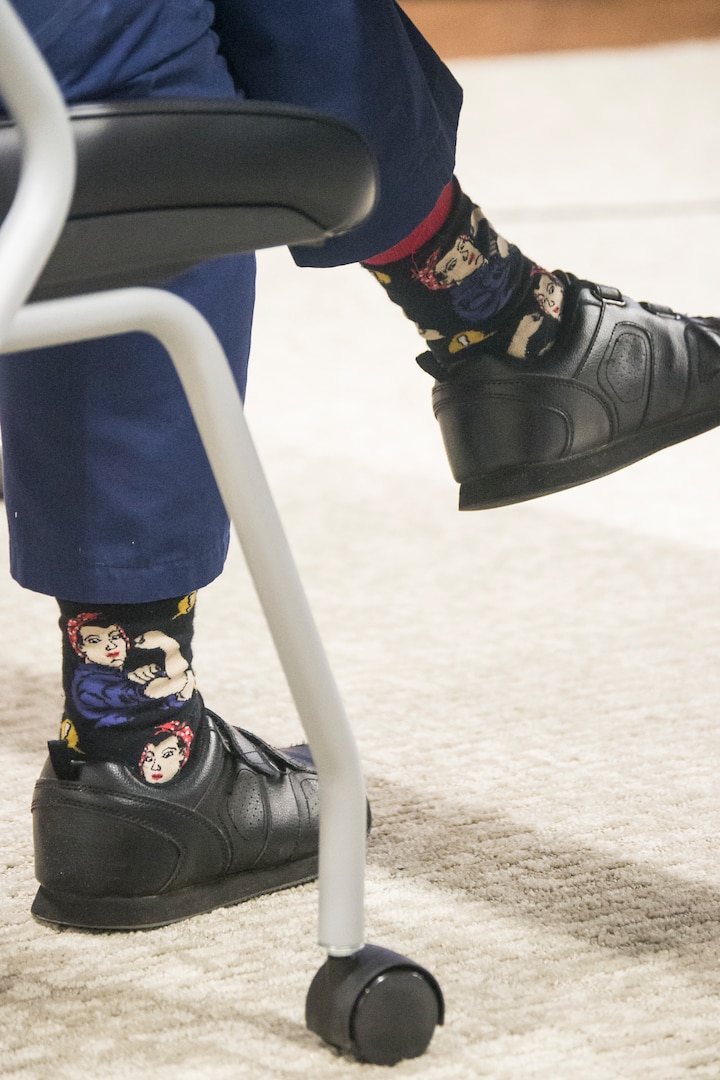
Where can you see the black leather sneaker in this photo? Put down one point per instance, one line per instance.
(621, 381)
(115, 853)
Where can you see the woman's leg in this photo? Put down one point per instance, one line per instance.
(113, 508)
(544, 380)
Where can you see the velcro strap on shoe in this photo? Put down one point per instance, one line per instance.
(608, 293)
(254, 751)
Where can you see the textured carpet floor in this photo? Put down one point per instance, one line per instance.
(534, 690)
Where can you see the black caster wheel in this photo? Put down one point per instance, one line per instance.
(376, 1004)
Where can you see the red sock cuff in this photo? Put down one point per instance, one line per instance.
(419, 236)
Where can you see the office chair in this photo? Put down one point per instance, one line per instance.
(92, 225)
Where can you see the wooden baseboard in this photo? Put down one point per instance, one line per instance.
(494, 27)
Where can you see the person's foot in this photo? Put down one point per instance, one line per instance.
(621, 381)
(114, 852)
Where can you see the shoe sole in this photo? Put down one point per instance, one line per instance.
(146, 912)
(520, 483)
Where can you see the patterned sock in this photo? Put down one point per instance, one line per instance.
(465, 285)
(130, 694)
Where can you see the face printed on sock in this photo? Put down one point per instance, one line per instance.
(479, 271)
(462, 260)
(549, 295)
(106, 690)
(105, 645)
(130, 694)
(475, 287)
(160, 761)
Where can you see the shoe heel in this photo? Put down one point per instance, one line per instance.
(509, 440)
(490, 438)
(85, 850)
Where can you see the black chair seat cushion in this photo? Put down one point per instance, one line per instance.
(164, 184)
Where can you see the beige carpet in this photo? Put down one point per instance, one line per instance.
(534, 690)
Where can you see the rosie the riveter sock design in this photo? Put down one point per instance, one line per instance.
(464, 285)
(130, 694)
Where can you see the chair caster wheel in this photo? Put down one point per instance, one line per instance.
(376, 1004)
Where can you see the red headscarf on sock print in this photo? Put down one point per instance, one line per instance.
(426, 275)
(89, 618)
(184, 733)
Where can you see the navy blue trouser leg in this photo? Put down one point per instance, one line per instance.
(109, 494)
(366, 63)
